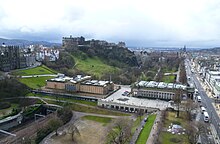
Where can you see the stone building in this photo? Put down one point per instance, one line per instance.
(9, 58)
(160, 90)
(80, 84)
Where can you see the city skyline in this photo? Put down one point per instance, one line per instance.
(143, 23)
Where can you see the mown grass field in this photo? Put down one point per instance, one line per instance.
(35, 82)
(167, 137)
(142, 139)
(40, 70)
(104, 120)
(94, 66)
(168, 78)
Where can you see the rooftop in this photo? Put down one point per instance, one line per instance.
(153, 84)
(118, 98)
(214, 73)
(96, 82)
(63, 78)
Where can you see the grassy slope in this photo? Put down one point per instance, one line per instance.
(142, 139)
(35, 82)
(34, 71)
(104, 120)
(91, 103)
(93, 66)
(86, 109)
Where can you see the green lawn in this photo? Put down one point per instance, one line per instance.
(35, 82)
(35, 71)
(104, 120)
(168, 138)
(7, 111)
(166, 70)
(142, 139)
(91, 103)
(171, 118)
(94, 66)
(168, 78)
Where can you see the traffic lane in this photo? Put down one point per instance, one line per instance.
(204, 136)
(210, 109)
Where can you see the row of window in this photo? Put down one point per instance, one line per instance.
(157, 95)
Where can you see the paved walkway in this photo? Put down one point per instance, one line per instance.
(137, 132)
(154, 131)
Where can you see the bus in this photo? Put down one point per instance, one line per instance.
(199, 99)
(206, 117)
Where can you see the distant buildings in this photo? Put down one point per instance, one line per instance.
(82, 84)
(11, 57)
(74, 42)
(208, 68)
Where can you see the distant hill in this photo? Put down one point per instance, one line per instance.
(215, 50)
(21, 42)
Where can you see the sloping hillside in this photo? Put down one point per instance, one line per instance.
(93, 65)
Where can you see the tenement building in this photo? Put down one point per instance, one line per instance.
(82, 84)
(160, 90)
(9, 58)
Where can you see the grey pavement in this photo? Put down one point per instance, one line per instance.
(137, 132)
(154, 131)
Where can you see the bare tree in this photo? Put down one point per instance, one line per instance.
(120, 131)
(177, 100)
(73, 130)
(189, 106)
(139, 114)
(194, 129)
(55, 123)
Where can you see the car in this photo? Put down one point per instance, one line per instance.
(125, 93)
(145, 119)
(215, 96)
(203, 109)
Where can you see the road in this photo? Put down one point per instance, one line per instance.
(206, 101)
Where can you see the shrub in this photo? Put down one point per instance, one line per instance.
(42, 133)
(4, 105)
(65, 114)
(175, 140)
(176, 122)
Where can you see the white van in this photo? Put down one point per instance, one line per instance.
(196, 92)
(203, 109)
(206, 117)
(199, 99)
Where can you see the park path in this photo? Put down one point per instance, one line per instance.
(137, 132)
(153, 136)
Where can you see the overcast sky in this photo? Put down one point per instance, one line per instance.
(195, 23)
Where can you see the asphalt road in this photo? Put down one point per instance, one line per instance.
(206, 101)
